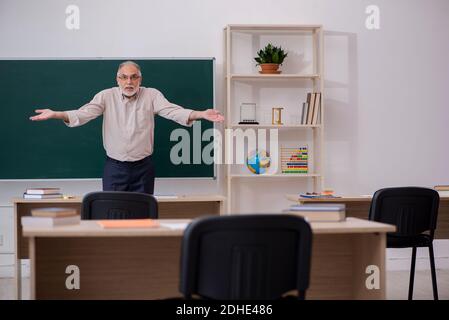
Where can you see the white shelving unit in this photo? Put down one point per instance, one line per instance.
(293, 78)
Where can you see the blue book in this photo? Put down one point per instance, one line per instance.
(317, 196)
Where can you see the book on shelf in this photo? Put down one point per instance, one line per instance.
(42, 196)
(54, 212)
(128, 223)
(42, 191)
(319, 212)
(311, 110)
(305, 108)
(316, 110)
(31, 221)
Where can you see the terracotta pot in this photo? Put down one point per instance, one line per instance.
(269, 68)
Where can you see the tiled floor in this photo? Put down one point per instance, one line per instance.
(397, 286)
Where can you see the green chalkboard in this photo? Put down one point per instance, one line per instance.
(51, 150)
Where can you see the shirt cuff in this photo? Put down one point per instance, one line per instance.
(186, 115)
(73, 119)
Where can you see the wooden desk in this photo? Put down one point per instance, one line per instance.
(183, 207)
(144, 263)
(358, 207)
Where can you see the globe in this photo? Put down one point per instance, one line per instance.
(258, 162)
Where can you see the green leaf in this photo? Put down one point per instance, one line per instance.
(275, 57)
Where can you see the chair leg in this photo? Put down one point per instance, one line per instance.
(412, 275)
(432, 270)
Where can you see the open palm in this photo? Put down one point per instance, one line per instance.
(213, 115)
(44, 114)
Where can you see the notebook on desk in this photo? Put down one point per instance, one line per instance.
(128, 223)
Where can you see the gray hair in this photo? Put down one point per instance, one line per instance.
(129, 62)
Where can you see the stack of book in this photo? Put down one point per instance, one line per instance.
(319, 212)
(294, 160)
(325, 194)
(42, 193)
(443, 190)
(311, 110)
(50, 217)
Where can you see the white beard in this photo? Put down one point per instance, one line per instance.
(128, 93)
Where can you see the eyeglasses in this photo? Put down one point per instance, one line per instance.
(124, 77)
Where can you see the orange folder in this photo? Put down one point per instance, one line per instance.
(132, 223)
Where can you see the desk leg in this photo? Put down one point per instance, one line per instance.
(32, 252)
(18, 278)
(221, 208)
(17, 253)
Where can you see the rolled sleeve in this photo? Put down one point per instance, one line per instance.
(87, 112)
(73, 119)
(171, 111)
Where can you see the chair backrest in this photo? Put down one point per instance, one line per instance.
(118, 205)
(413, 210)
(257, 256)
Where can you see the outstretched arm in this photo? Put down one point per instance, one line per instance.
(46, 114)
(74, 118)
(181, 115)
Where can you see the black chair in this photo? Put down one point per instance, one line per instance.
(257, 256)
(414, 212)
(118, 205)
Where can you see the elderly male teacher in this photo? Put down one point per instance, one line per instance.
(128, 127)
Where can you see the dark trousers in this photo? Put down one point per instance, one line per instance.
(137, 176)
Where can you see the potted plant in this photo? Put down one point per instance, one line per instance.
(270, 58)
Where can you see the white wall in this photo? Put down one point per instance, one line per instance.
(386, 90)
